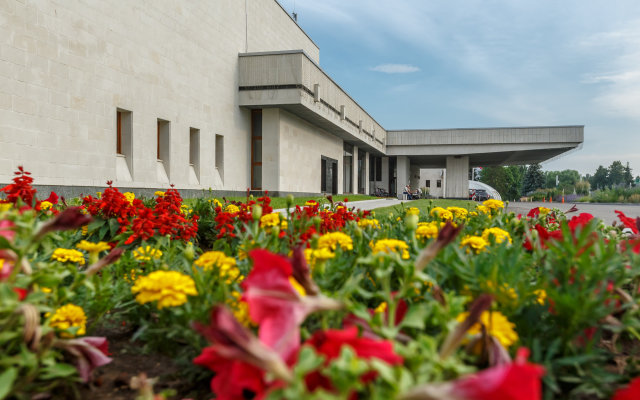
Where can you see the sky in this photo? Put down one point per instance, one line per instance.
(430, 64)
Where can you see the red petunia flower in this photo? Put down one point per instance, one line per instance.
(631, 392)
(579, 221)
(330, 343)
(633, 224)
(275, 305)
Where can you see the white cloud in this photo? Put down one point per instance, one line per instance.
(395, 68)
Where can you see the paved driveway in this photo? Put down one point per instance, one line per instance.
(603, 211)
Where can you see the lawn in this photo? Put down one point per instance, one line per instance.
(281, 202)
(425, 204)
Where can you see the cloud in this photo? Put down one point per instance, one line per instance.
(395, 68)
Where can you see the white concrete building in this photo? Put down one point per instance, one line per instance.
(222, 94)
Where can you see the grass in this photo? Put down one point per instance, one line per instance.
(424, 205)
(281, 202)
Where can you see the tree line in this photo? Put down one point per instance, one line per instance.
(514, 182)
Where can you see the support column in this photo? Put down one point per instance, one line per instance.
(354, 173)
(366, 173)
(457, 178)
(385, 174)
(402, 168)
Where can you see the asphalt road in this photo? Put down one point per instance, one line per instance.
(604, 211)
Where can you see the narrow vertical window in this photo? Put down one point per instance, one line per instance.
(428, 183)
(124, 145)
(256, 149)
(194, 155)
(220, 156)
(163, 149)
(119, 132)
(439, 183)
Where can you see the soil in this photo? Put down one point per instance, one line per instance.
(112, 381)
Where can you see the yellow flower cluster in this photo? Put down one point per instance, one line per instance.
(541, 296)
(310, 203)
(441, 213)
(5, 206)
(159, 193)
(146, 253)
(413, 211)
(474, 243)
(314, 256)
(493, 204)
(64, 255)
(168, 288)
(93, 247)
(496, 324)
(232, 208)
(458, 212)
(544, 210)
(45, 205)
(185, 209)
(227, 265)
(129, 196)
(391, 246)
(131, 276)
(240, 309)
(483, 209)
(332, 240)
(373, 223)
(382, 307)
(69, 316)
(270, 220)
(499, 235)
(427, 230)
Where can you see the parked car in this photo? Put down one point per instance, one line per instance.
(478, 195)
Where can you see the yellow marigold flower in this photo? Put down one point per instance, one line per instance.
(499, 235)
(99, 195)
(185, 209)
(45, 205)
(381, 308)
(473, 214)
(441, 213)
(93, 247)
(483, 209)
(493, 204)
(168, 288)
(413, 211)
(475, 243)
(85, 230)
(427, 230)
(310, 203)
(64, 255)
(314, 256)
(226, 265)
(129, 196)
(146, 253)
(458, 212)
(269, 220)
(232, 209)
(496, 324)
(239, 308)
(69, 316)
(391, 245)
(284, 224)
(544, 210)
(334, 239)
(373, 223)
(541, 296)
(158, 193)
(5, 206)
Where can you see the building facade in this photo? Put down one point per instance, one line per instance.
(224, 95)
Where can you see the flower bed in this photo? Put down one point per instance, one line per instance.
(319, 303)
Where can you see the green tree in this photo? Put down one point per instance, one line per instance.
(599, 180)
(628, 176)
(495, 177)
(515, 179)
(616, 174)
(533, 179)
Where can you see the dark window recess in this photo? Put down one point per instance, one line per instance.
(439, 183)
(256, 149)
(119, 133)
(428, 183)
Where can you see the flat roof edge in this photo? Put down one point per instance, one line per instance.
(484, 128)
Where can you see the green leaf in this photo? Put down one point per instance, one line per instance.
(4, 243)
(114, 225)
(6, 381)
(416, 317)
(59, 370)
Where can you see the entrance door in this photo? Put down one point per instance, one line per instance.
(329, 178)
